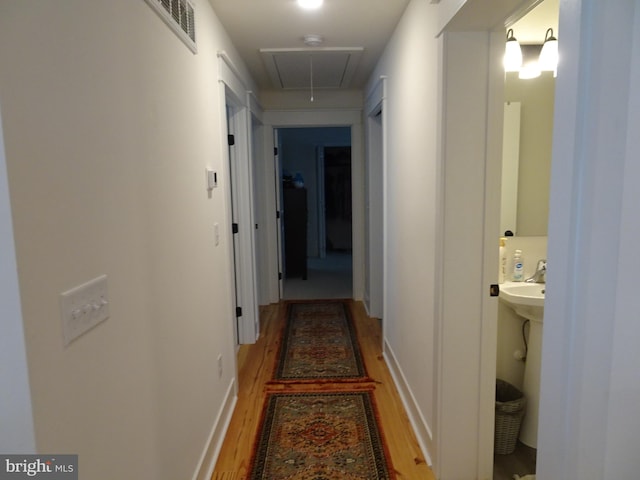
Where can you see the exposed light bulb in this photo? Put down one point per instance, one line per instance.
(310, 4)
(549, 54)
(512, 54)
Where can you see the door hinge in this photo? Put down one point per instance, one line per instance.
(234, 228)
(279, 275)
(238, 311)
(275, 151)
(231, 140)
(277, 213)
(494, 290)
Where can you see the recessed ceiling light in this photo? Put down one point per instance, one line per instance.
(310, 4)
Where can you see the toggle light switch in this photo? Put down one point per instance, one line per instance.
(83, 307)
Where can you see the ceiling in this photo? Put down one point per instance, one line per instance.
(355, 33)
(269, 36)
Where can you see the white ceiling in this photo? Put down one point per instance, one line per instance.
(364, 25)
(269, 36)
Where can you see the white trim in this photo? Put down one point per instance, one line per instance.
(377, 102)
(471, 109)
(352, 118)
(230, 75)
(313, 118)
(235, 95)
(466, 315)
(491, 224)
(212, 448)
(420, 425)
(322, 218)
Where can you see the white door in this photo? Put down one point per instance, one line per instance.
(279, 223)
(233, 179)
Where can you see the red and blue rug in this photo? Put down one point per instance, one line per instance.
(320, 436)
(319, 344)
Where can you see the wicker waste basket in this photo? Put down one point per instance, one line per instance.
(510, 408)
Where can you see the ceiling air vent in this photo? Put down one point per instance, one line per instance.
(179, 16)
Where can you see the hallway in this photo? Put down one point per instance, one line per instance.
(329, 277)
(255, 366)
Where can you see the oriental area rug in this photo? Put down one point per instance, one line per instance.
(320, 436)
(319, 343)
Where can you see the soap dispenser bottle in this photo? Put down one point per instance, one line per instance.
(518, 266)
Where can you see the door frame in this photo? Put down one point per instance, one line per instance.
(237, 99)
(274, 119)
(466, 316)
(375, 295)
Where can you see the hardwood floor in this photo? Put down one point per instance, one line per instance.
(256, 363)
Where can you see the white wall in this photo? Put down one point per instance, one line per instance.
(15, 404)
(590, 385)
(411, 62)
(109, 123)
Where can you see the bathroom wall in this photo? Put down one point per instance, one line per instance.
(509, 324)
(536, 97)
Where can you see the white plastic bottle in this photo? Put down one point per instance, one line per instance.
(518, 266)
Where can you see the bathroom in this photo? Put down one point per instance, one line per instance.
(528, 129)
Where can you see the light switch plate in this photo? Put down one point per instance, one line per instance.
(83, 307)
(212, 179)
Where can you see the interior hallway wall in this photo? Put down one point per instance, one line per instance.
(110, 121)
(16, 416)
(411, 62)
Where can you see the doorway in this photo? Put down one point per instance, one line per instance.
(526, 170)
(241, 190)
(473, 70)
(315, 178)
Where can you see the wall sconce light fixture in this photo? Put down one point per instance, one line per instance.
(530, 60)
(549, 54)
(512, 53)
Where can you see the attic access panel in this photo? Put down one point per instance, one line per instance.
(290, 69)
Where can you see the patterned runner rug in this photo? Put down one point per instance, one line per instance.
(319, 344)
(320, 436)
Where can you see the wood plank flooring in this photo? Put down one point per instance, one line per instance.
(255, 368)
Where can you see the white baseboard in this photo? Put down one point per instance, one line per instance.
(209, 456)
(417, 420)
(365, 303)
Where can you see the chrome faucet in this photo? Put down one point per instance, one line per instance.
(539, 276)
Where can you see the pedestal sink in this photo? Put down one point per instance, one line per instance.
(527, 300)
